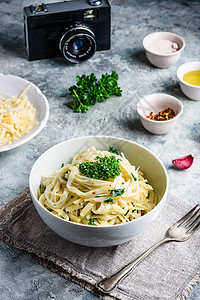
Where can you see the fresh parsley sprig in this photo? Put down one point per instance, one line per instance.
(88, 90)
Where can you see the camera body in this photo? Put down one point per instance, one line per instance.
(73, 29)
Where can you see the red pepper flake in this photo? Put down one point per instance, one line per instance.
(163, 115)
(93, 192)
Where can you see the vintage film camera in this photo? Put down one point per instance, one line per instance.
(73, 29)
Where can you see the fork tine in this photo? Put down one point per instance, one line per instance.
(194, 225)
(189, 214)
(192, 219)
(192, 231)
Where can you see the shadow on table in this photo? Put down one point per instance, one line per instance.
(175, 90)
(134, 125)
(139, 56)
(12, 45)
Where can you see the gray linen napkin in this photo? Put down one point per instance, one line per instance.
(170, 272)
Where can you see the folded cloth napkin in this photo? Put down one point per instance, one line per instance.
(170, 272)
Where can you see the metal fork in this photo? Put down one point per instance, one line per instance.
(179, 232)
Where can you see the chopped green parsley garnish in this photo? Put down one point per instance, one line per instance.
(42, 187)
(91, 221)
(135, 178)
(104, 168)
(117, 192)
(112, 150)
(62, 165)
(109, 200)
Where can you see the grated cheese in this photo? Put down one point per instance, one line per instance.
(17, 118)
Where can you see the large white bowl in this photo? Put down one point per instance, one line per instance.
(161, 60)
(100, 236)
(11, 85)
(191, 91)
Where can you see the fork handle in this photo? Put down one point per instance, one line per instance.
(109, 284)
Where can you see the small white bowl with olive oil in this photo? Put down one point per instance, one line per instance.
(189, 78)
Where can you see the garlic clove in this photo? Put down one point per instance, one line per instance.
(184, 162)
(175, 46)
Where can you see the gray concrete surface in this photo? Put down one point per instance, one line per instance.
(21, 276)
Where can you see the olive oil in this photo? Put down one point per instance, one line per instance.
(192, 77)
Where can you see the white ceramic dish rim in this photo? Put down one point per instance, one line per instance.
(35, 131)
(164, 55)
(161, 122)
(101, 226)
(185, 65)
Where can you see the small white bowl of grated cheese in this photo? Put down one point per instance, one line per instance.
(24, 111)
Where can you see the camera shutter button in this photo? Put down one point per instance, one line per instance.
(95, 2)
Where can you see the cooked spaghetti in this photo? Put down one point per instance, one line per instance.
(116, 196)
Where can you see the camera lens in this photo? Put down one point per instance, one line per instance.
(79, 46)
(77, 43)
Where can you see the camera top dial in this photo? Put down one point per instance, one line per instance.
(77, 43)
(94, 2)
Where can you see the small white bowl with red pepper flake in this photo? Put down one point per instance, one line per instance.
(159, 113)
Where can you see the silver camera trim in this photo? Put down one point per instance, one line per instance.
(74, 28)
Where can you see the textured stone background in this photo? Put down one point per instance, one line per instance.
(21, 276)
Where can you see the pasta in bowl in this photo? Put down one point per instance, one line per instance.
(97, 188)
(95, 194)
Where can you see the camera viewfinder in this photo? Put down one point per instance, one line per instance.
(90, 14)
